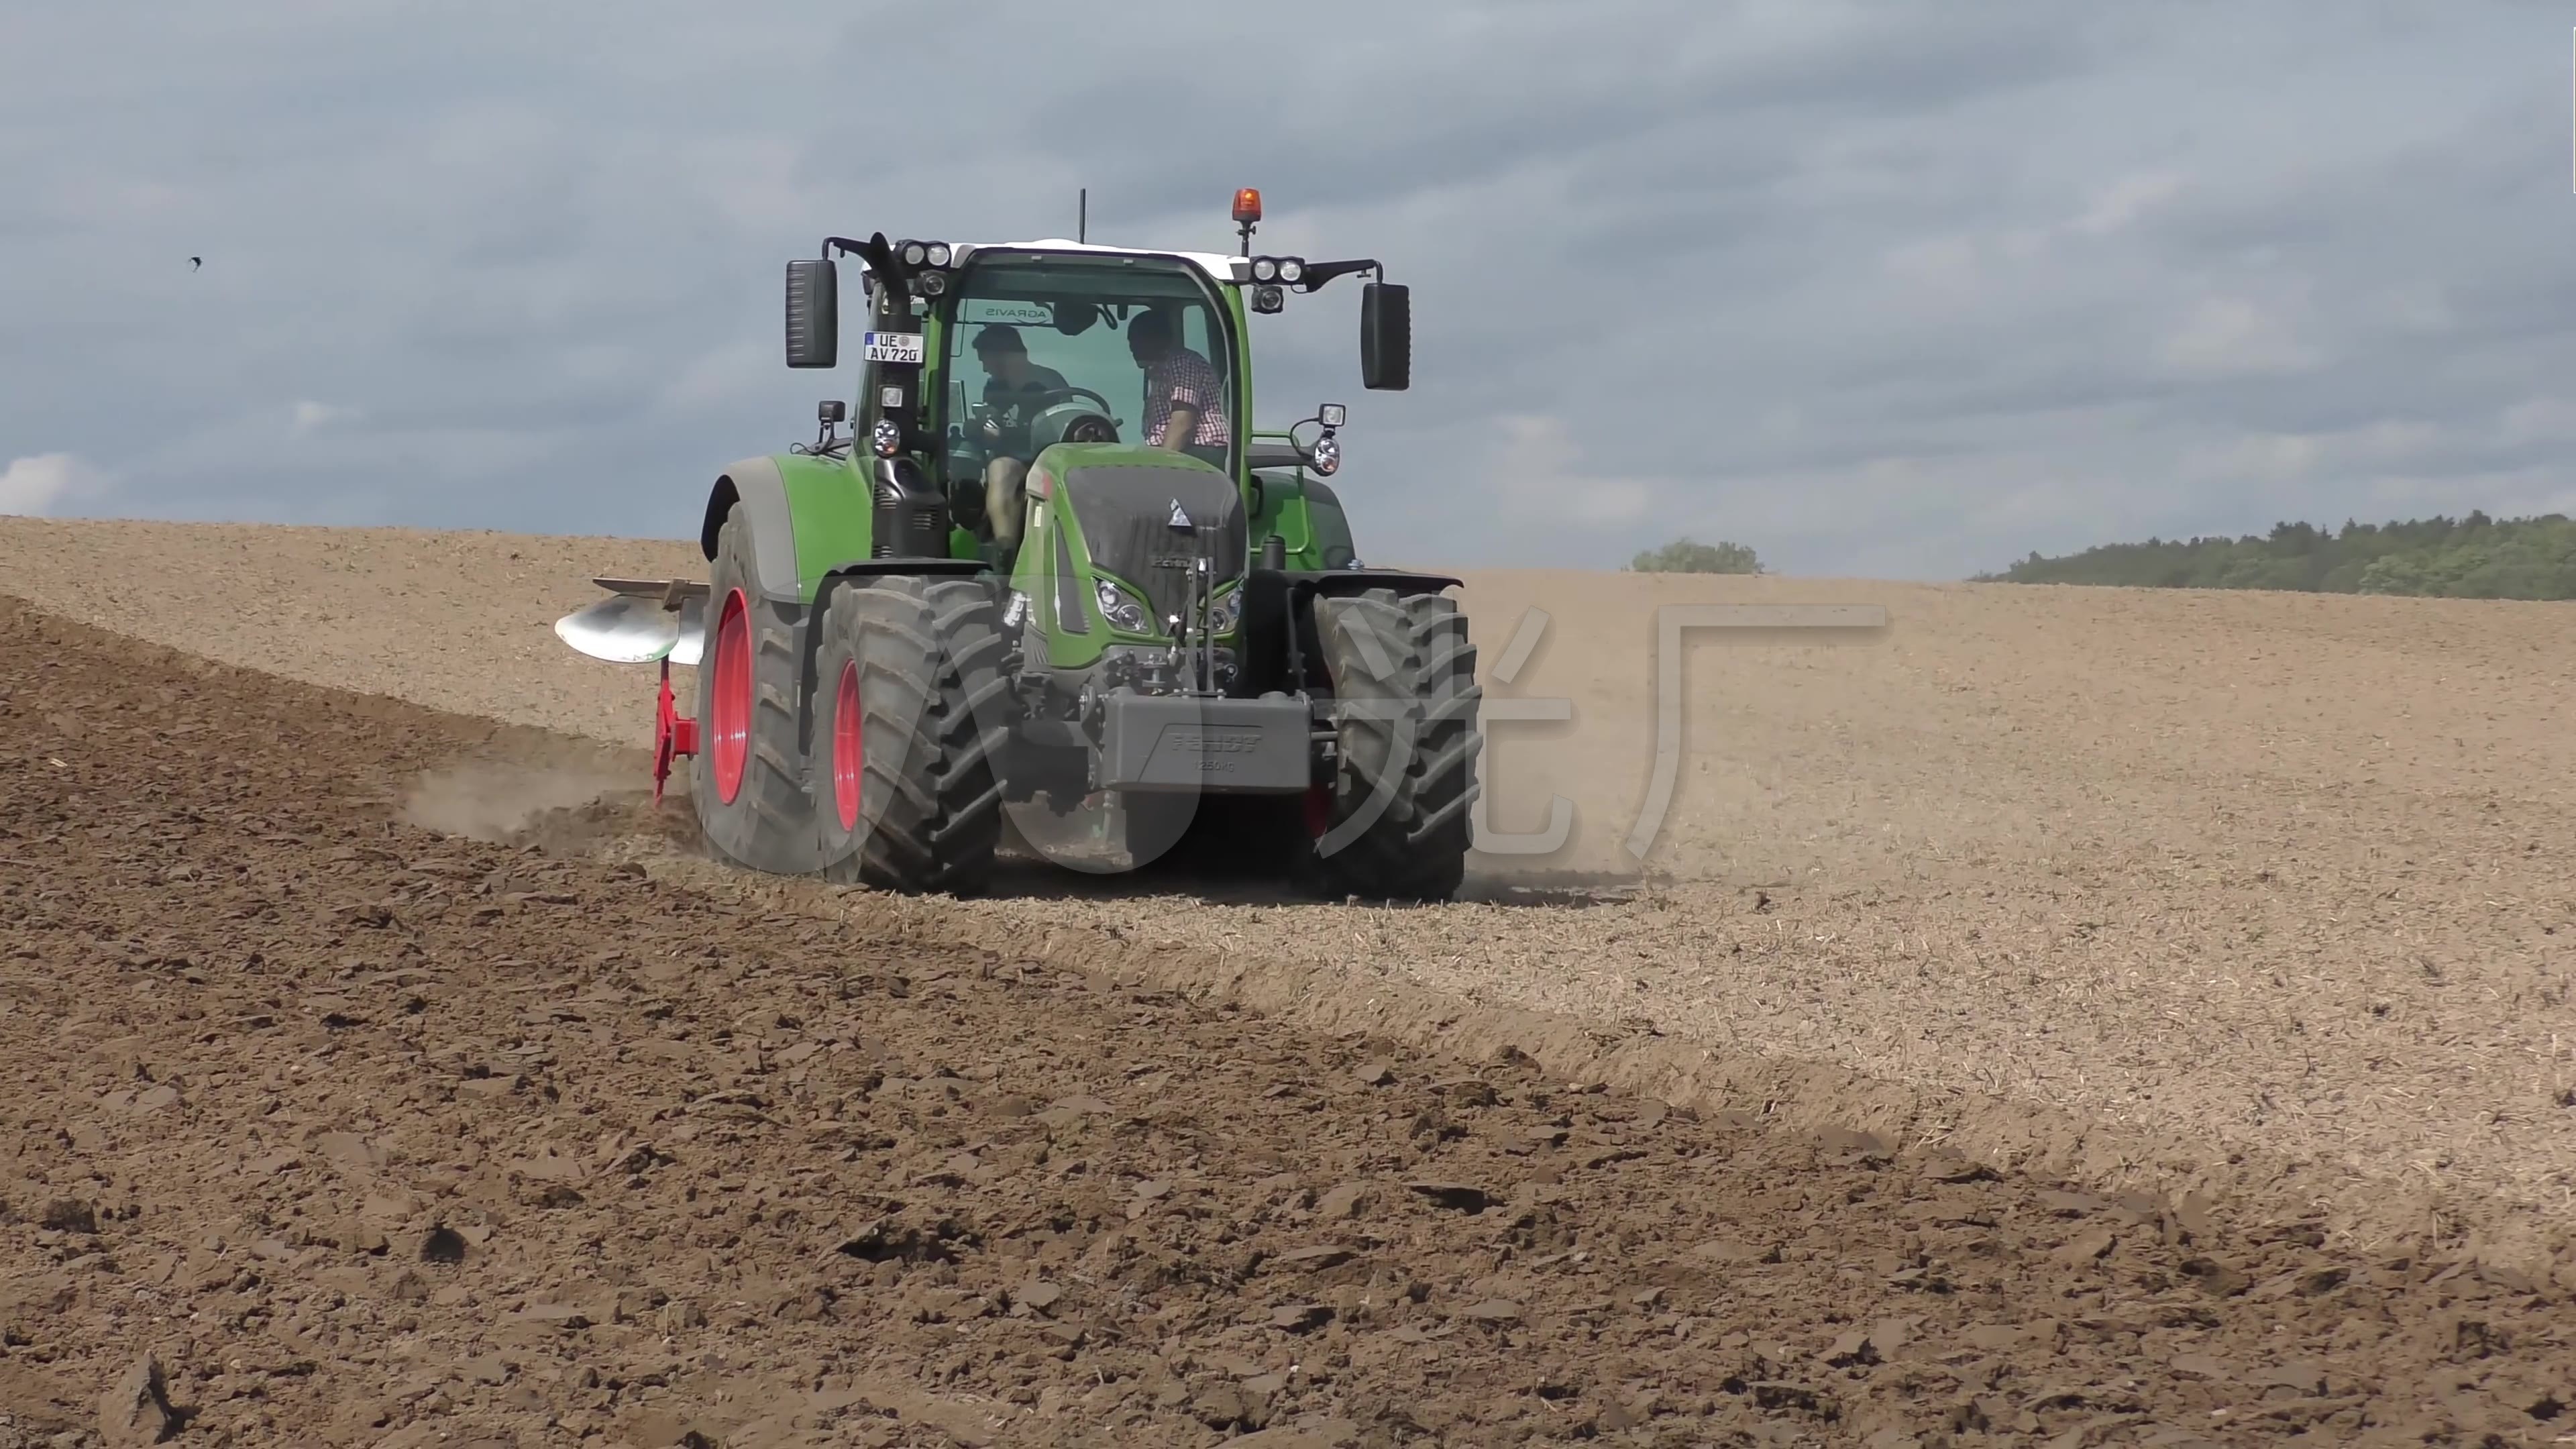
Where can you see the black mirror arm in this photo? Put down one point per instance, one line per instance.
(877, 252)
(1318, 273)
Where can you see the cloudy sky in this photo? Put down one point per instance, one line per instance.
(1896, 290)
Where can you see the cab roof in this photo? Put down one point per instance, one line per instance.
(1218, 266)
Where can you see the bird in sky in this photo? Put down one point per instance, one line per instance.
(195, 262)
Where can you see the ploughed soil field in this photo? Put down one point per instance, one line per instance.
(322, 1126)
(2074, 1016)
(2263, 897)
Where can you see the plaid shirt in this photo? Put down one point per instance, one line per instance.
(1184, 379)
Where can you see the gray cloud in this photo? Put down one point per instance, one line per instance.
(1903, 289)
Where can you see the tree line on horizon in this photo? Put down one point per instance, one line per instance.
(2476, 557)
(1683, 556)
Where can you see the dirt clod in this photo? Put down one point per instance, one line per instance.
(1455, 1196)
(1343, 1201)
(2215, 1278)
(136, 1409)
(2089, 1245)
(1300, 1317)
(1326, 1255)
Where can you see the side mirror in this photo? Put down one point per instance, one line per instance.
(813, 313)
(831, 410)
(1386, 337)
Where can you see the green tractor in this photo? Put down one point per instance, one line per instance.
(1052, 574)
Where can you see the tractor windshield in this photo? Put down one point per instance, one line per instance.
(1039, 338)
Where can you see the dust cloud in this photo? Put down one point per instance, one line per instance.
(499, 802)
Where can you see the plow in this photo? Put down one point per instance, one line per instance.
(1051, 574)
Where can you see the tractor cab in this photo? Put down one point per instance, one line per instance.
(981, 358)
(1038, 349)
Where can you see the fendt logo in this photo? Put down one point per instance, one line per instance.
(1199, 744)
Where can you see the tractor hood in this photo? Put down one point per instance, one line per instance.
(1139, 510)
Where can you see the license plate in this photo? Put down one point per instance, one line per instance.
(894, 347)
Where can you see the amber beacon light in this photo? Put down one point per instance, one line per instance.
(1247, 210)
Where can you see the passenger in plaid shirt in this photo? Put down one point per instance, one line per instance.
(1184, 398)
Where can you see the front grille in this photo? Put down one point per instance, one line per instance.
(1125, 513)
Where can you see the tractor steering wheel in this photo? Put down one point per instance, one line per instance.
(1086, 427)
(1060, 394)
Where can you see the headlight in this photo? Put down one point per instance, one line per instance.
(1124, 611)
(1327, 458)
(1264, 270)
(1291, 269)
(914, 254)
(1225, 612)
(1017, 613)
(887, 436)
(939, 254)
(932, 283)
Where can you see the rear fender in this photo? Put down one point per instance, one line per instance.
(808, 515)
(758, 486)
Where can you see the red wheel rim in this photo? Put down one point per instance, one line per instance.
(1319, 811)
(849, 746)
(730, 726)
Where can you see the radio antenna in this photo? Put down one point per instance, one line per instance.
(1082, 217)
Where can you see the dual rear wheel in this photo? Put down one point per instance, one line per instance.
(876, 767)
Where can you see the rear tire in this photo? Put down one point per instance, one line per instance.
(1406, 670)
(910, 720)
(748, 776)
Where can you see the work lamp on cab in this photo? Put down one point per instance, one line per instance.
(1264, 270)
(939, 254)
(915, 253)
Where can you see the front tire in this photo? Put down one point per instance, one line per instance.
(747, 779)
(1405, 674)
(909, 725)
